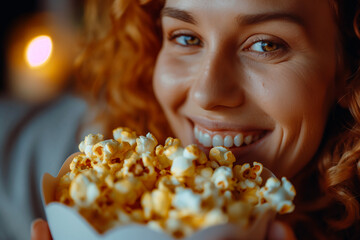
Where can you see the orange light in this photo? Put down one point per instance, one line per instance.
(38, 51)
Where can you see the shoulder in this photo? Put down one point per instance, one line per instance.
(34, 139)
(41, 131)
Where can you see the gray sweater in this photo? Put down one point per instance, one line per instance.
(33, 140)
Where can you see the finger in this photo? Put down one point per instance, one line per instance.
(40, 230)
(280, 231)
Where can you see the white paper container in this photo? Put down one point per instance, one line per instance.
(66, 223)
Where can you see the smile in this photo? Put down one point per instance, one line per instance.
(228, 139)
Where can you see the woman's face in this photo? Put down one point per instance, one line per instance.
(257, 76)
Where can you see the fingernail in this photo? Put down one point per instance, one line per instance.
(34, 225)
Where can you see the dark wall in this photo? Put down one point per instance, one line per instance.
(10, 11)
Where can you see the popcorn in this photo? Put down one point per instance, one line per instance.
(214, 217)
(249, 176)
(89, 141)
(105, 150)
(182, 159)
(128, 190)
(63, 193)
(169, 182)
(157, 203)
(172, 142)
(202, 176)
(239, 212)
(125, 135)
(222, 156)
(146, 144)
(279, 195)
(163, 161)
(83, 190)
(186, 200)
(222, 177)
(193, 152)
(174, 189)
(80, 163)
(183, 167)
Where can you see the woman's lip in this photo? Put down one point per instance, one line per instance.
(216, 125)
(225, 127)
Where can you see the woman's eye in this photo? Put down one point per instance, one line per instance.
(186, 40)
(264, 46)
(267, 48)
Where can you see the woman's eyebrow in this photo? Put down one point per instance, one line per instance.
(250, 19)
(178, 14)
(264, 17)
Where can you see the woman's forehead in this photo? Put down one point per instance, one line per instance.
(315, 15)
(245, 6)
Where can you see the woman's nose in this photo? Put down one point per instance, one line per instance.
(218, 83)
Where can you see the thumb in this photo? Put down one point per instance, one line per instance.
(280, 231)
(40, 230)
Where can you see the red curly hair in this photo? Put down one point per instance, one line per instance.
(116, 65)
(121, 42)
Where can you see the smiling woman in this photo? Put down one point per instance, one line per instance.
(265, 74)
(275, 81)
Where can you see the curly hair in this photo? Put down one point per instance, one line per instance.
(115, 68)
(121, 42)
(340, 162)
(331, 208)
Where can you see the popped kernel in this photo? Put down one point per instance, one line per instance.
(222, 156)
(84, 190)
(163, 161)
(105, 150)
(182, 167)
(146, 144)
(89, 141)
(193, 152)
(248, 176)
(279, 194)
(156, 203)
(124, 134)
(79, 163)
(186, 200)
(214, 217)
(172, 142)
(222, 177)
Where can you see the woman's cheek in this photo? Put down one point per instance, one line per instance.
(172, 79)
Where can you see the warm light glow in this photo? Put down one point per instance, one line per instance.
(38, 50)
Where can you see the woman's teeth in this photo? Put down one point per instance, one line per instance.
(227, 141)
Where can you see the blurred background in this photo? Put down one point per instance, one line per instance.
(39, 40)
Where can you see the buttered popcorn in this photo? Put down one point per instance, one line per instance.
(175, 189)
